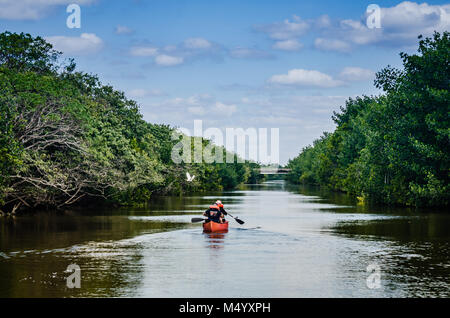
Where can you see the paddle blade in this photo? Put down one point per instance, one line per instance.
(196, 220)
(239, 221)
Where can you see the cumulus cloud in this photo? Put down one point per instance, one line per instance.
(285, 30)
(288, 45)
(400, 26)
(197, 43)
(144, 51)
(305, 78)
(168, 60)
(32, 9)
(351, 73)
(86, 43)
(175, 54)
(410, 17)
(286, 34)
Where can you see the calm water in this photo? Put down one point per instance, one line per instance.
(296, 242)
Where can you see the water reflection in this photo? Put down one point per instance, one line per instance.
(215, 240)
(296, 242)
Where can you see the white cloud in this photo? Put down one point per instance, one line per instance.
(140, 92)
(301, 119)
(400, 26)
(143, 51)
(168, 60)
(285, 30)
(288, 45)
(305, 78)
(323, 21)
(196, 110)
(356, 74)
(121, 29)
(86, 43)
(224, 109)
(198, 100)
(358, 33)
(332, 45)
(32, 9)
(198, 105)
(197, 43)
(408, 17)
(170, 55)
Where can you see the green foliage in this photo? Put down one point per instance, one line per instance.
(393, 148)
(23, 53)
(67, 138)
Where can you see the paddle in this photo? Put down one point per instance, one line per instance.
(195, 220)
(236, 219)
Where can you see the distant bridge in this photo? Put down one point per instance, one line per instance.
(273, 170)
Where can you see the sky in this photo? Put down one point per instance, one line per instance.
(234, 63)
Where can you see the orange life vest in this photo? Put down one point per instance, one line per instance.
(214, 209)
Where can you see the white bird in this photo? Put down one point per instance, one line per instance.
(189, 178)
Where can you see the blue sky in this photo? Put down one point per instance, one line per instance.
(259, 63)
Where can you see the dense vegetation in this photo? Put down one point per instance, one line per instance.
(66, 138)
(393, 148)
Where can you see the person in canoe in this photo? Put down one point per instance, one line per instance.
(216, 212)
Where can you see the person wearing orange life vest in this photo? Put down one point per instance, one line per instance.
(216, 212)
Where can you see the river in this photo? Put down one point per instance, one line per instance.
(296, 242)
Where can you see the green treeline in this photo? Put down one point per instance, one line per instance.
(393, 148)
(66, 138)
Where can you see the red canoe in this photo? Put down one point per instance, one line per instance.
(215, 227)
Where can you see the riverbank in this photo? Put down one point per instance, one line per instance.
(392, 148)
(68, 139)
